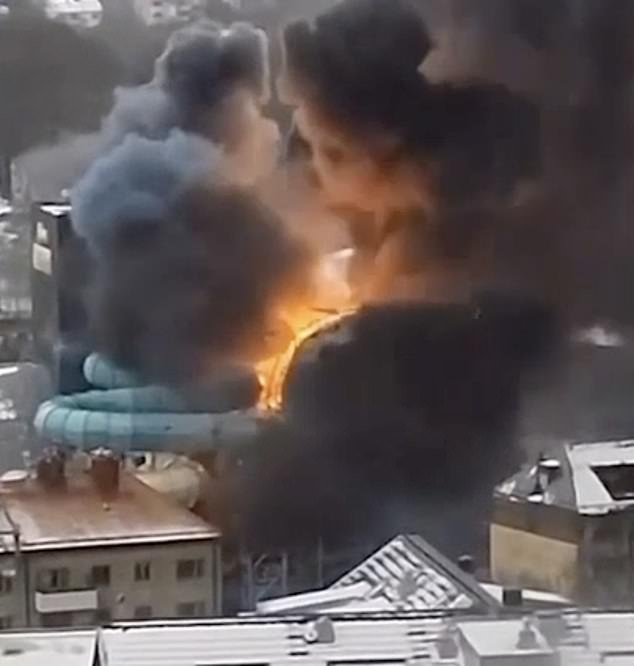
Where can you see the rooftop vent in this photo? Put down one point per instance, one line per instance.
(51, 469)
(105, 471)
(14, 477)
(446, 645)
(320, 630)
(527, 639)
(512, 597)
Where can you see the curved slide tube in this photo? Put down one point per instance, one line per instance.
(123, 415)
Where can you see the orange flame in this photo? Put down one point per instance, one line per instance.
(272, 371)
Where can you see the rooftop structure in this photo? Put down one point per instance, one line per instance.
(75, 13)
(564, 523)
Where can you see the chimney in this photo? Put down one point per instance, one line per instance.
(527, 639)
(51, 469)
(467, 564)
(512, 597)
(105, 470)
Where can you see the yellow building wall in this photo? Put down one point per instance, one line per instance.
(521, 559)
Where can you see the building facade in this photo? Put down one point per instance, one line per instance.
(76, 553)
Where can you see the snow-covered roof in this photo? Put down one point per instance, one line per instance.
(589, 478)
(588, 462)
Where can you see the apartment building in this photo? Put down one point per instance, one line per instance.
(84, 542)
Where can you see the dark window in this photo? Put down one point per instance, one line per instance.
(6, 584)
(190, 569)
(52, 580)
(191, 609)
(142, 571)
(57, 619)
(103, 615)
(618, 480)
(6, 621)
(143, 612)
(100, 576)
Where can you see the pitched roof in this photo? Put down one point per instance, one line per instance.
(408, 573)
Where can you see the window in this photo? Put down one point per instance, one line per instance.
(100, 576)
(191, 609)
(103, 615)
(617, 479)
(142, 571)
(190, 569)
(51, 580)
(6, 584)
(6, 621)
(143, 612)
(57, 619)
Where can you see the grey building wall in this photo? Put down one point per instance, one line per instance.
(164, 594)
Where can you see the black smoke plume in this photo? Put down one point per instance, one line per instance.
(555, 112)
(188, 264)
(354, 74)
(52, 79)
(408, 406)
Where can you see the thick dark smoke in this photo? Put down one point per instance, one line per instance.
(52, 79)
(566, 129)
(355, 76)
(188, 265)
(406, 406)
(424, 408)
(572, 242)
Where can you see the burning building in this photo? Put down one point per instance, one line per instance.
(212, 262)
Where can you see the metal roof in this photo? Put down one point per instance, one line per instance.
(580, 638)
(77, 516)
(410, 574)
(412, 638)
(70, 648)
(259, 641)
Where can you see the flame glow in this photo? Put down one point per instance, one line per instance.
(332, 301)
(272, 371)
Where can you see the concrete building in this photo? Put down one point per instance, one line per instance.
(75, 13)
(163, 12)
(566, 524)
(84, 542)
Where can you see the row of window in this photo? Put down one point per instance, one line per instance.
(59, 579)
(104, 615)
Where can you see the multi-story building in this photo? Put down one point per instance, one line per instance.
(83, 542)
(566, 524)
(75, 13)
(162, 12)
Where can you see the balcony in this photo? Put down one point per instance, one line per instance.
(66, 602)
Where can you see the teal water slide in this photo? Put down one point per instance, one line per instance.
(123, 414)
